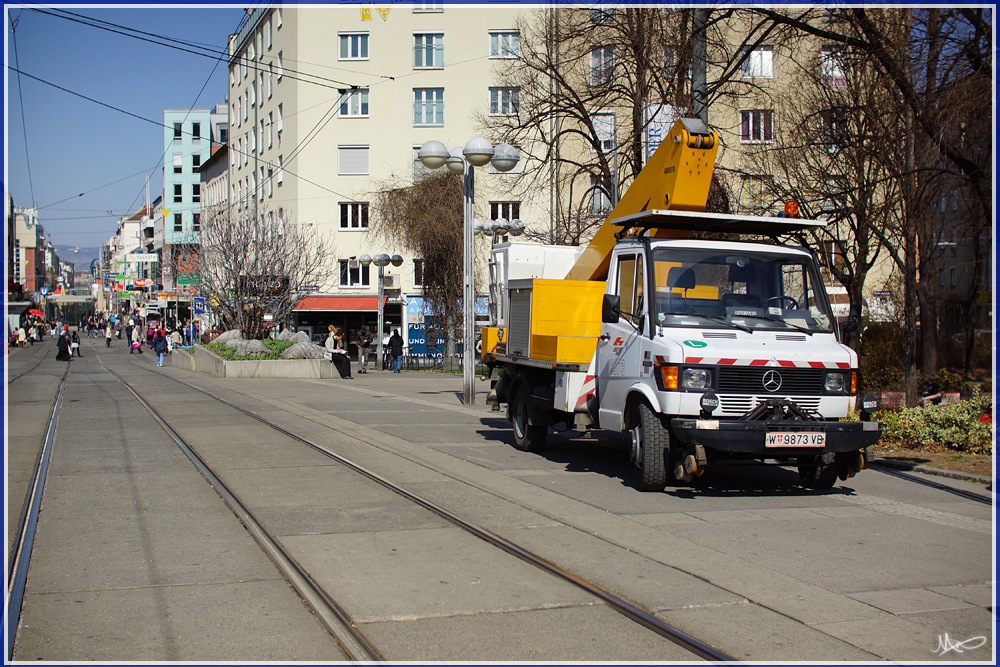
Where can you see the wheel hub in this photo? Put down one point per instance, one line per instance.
(636, 451)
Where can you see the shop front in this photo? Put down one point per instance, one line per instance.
(315, 314)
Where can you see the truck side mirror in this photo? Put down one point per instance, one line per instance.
(853, 322)
(610, 308)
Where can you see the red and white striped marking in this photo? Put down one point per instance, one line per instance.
(588, 390)
(783, 363)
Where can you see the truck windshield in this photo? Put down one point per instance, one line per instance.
(752, 290)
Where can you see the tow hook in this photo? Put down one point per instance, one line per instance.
(693, 464)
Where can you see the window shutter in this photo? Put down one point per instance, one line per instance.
(352, 159)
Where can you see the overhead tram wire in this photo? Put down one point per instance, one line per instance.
(20, 95)
(221, 56)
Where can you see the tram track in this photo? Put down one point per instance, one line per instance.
(340, 624)
(20, 556)
(38, 363)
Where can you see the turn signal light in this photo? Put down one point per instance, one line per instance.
(854, 382)
(668, 374)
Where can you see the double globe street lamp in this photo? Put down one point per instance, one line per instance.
(460, 161)
(381, 260)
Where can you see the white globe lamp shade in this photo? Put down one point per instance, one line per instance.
(396, 260)
(456, 163)
(516, 228)
(505, 157)
(500, 227)
(365, 259)
(433, 154)
(478, 151)
(381, 259)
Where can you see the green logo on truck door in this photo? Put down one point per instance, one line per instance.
(696, 343)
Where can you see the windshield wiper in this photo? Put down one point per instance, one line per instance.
(714, 318)
(808, 332)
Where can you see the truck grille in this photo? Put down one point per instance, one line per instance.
(735, 406)
(750, 380)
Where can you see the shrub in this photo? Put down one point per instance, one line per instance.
(276, 347)
(955, 426)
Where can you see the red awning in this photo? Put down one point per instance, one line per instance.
(340, 303)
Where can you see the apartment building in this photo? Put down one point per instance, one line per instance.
(329, 105)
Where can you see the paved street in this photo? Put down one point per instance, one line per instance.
(137, 558)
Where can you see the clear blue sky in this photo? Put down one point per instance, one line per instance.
(75, 146)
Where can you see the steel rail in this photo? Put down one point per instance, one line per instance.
(37, 364)
(333, 617)
(627, 609)
(24, 537)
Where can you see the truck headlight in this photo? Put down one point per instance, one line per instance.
(696, 378)
(834, 382)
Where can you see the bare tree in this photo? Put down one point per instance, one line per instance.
(253, 263)
(426, 217)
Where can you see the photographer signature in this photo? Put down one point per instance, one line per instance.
(945, 644)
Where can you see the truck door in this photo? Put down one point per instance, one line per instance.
(619, 349)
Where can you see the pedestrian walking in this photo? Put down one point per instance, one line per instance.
(136, 340)
(62, 344)
(74, 344)
(108, 332)
(159, 346)
(21, 337)
(364, 349)
(396, 350)
(175, 339)
(334, 345)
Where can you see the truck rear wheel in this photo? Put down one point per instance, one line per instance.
(528, 436)
(816, 472)
(653, 441)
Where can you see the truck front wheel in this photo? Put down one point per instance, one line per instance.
(528, 436)
(650, 447)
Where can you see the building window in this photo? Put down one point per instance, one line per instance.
(504, 101)
(600, 199)
(832, 67)
(505, 210)
(281, 68)
(277, 20)
(759, 63)
(178, 196)
(281, 123)
(270, 33)
(354, 46)
(196, 193)
(428, 50)
(505, 44)
(756, 127)
(602, 65)
(270, 79)
(755, 193)
(196, 131)
(428, 106)
(602, 16)
(355, 104)
(178, 223)
(352, 160)
(604, 129)
(196, 222)
(353, 216)
(353, 273)
(195, 161)
(178, 164)
(428, 6)
(270, 182)
(418, 273)
(281, 171)
(177, 131)
(270, 129)
(834, 130)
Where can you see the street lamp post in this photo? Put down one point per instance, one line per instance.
(460, 161)
(381, 260)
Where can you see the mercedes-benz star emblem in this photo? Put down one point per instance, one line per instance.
(771, 381)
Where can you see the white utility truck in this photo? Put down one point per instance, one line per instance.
(704, 350)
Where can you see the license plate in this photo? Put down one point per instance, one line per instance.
(795, 439)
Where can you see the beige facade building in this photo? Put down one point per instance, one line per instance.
(329, 105)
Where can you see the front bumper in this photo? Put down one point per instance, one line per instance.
(749, 437)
